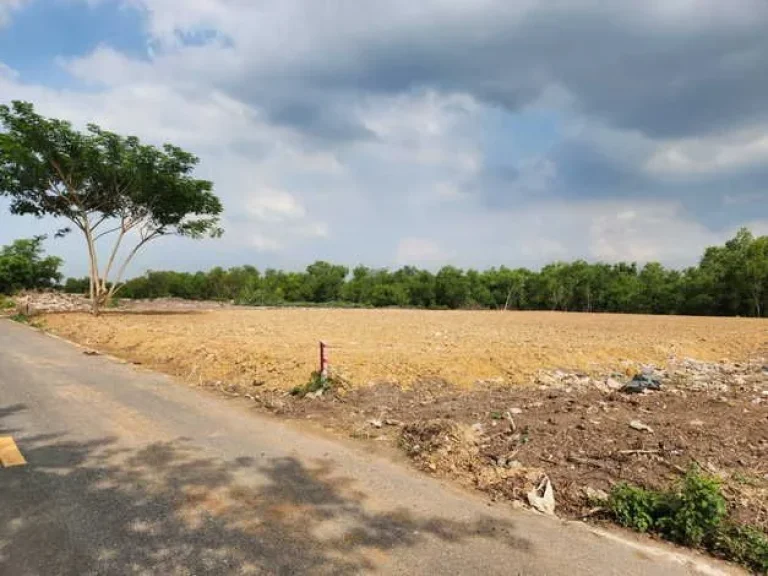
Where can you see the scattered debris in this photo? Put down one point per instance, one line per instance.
(640, 383)
(637, 425)
(91, 353)
(595, 495)
(613, 384)
(696, 423)
(31, 303)
(542, 497)
(376, 423)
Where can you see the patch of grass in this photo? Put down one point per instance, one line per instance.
(746, 480)
(692, 513)
(21, 318)
(6, 303)
(316, 383)
(743, 544)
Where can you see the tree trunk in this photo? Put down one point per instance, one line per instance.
(95, 305)
(506, 304)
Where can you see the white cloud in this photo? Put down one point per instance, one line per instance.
(8, 72)
(419, 251)
(274, 206)
(720, 153)
(7, 7)
(263, 243)
(648, 231)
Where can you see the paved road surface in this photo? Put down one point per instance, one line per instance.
(130, 473)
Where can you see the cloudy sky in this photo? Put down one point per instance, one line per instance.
(386, 132)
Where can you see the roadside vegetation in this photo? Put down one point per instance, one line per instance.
(693, 513)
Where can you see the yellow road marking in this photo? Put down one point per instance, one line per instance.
(9, 453)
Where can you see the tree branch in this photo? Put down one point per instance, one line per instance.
(116, 284)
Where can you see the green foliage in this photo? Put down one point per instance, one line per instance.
(693, 513)
(694, 510)
(107, 186)
(76, 286)
(21, 318)
(743, 544)
(23, 266)
(634, 507)
(451, 288)
(315, 383)
(6, 303)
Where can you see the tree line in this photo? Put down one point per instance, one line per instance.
(730, 280)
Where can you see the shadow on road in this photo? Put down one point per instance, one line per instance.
(100, 508)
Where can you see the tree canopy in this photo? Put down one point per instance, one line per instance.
(111, 188)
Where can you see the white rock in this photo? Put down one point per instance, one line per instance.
(637, 425)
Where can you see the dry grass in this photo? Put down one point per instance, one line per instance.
(279, 347)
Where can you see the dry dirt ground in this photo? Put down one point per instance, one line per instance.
(278, 348)
(493, 400)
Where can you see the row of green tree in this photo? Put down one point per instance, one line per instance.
(729, 280)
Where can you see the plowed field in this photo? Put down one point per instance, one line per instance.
(279, 348)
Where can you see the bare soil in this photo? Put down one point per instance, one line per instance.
(278, 348)
(501, 440)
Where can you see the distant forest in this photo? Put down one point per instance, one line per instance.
(730, 280)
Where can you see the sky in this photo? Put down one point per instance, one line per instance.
(469, 132)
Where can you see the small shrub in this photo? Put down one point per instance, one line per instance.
(635, 507)
(316, 382)
(697, 508)
(20, 318)
(6, 303)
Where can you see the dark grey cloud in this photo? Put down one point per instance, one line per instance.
(321, 120)
(661, 79)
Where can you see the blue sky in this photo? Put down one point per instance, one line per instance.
(472, 132)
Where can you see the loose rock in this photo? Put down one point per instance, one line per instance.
(637, 425)
(595, 495)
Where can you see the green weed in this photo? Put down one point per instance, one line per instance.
(692, 513)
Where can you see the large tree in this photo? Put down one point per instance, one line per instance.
(113, 189)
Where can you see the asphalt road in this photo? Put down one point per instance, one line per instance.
(128, 472)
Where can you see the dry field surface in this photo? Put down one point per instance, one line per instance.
(279, 348)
